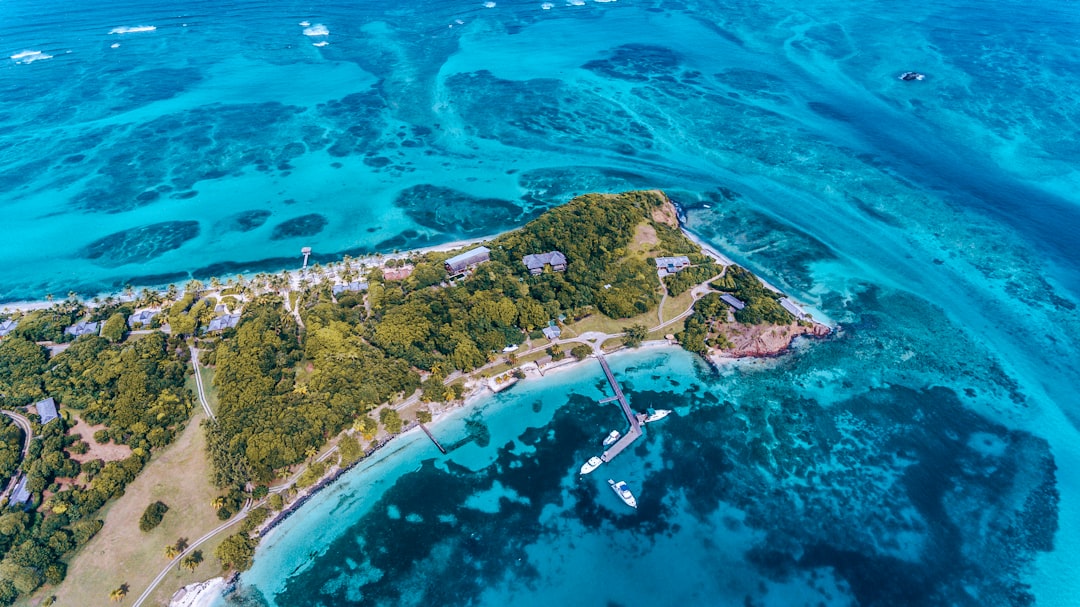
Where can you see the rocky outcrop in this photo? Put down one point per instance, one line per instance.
(764, 340)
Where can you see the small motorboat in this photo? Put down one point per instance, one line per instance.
(623, 492)
(909, 76)
(657, 415)
(593, 463)
(611, 438)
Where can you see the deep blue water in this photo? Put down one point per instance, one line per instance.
(926, 456)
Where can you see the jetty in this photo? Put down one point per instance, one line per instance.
(634, 419)
(429, 435)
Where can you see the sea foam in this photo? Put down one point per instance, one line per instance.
(320, 43)
(575, 3)
(30, 57)
(489, 5)
(134, 29)
(547, 6)
(305, 23)
(317, 30)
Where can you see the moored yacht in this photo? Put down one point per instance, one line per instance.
(623, 492)
(611, 438)
(657, 415)
(593, 463)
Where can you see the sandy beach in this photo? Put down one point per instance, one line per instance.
(201, 594)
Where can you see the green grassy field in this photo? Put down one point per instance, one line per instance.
(120, 553)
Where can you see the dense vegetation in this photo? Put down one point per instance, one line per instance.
(11, 442)
(285, 391)
(135, 389)
(152, 516)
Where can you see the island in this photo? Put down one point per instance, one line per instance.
(267, 387)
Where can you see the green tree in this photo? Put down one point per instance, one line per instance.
(580, 351)
(423, 416)
(118, 594)
(236, 552)
(635, 334)
(350, 449)
(391, 420)
(115, 329)
(151, 517)
(193, 560)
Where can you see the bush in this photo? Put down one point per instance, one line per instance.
(152, 516)
(580, 351)
(101, 437)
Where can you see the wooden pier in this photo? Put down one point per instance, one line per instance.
(632, 418)
(428, 432)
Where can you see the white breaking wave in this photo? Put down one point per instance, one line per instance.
(30, 57)
(320, 43)
(489, 5)
(134, 29)
(317, 30)
(547, 6)
(114, 45)
(305, 23)
(575, 3)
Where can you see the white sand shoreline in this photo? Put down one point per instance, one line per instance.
(201, 594)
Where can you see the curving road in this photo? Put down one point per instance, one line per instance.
(24, 425)
(28, 434)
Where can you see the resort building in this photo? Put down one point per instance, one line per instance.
(20, 495)
(142, 318)
(536, 263)
(671, 265)
(792, 307)
(47, 410)
(83, 328)
(397, 273)
(7, 326)
(552, 332)
(226, 321)
(732, 301)
(349, 287)
(460, 263)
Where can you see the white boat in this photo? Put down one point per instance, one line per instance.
(611, 438)
(657, 415)
(593, 463)
(623, 492)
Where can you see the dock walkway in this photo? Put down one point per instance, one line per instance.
(632, 418)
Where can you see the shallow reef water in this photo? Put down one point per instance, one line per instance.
(923, 455)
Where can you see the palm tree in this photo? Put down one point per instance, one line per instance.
(311, 452)
(171, 552)
(191, 561)
(119, 594)
(218, 503)
(181, 544)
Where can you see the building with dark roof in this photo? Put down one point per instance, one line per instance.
(7, 326)
(535, 263)
(83, 328)
(225, 321)
(733, 301)
(47, 410)
(355, 286)
(142, 317)
(459, 263)
(671, 265)
(20, 495)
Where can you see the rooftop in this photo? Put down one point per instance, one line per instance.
(20, 495)
(83, 328)
(142, 317)
(539, 260)
(223, 322)
(7, 326)
(467, 256)
(47, 410)
(733, 301)
(353, 286)
(552, 332)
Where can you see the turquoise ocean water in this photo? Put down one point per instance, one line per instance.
(926, 456)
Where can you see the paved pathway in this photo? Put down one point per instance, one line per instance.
(199, 383)
(28, 434)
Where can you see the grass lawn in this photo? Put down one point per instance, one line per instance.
(599, 322)
(120, 553)
(674, 306)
